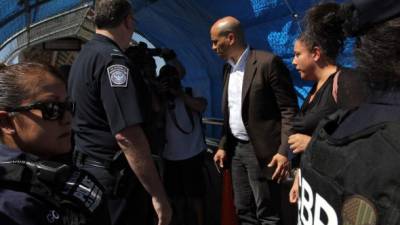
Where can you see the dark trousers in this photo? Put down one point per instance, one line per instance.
(257, 199)
(133, 206)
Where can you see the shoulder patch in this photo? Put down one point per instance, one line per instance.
(118, 75)
(117, 53)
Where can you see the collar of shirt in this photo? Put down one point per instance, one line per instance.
(241, 63)
(102, 38)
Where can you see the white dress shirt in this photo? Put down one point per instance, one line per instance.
(235, 96)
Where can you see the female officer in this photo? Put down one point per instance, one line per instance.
(35, 126)
(315, 53)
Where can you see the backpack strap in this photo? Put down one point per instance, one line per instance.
(171, 109)
(335, 86)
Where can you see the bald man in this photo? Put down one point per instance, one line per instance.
(258, 104)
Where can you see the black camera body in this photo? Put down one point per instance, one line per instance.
(140, 53)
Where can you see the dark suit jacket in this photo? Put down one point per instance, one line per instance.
(269, 104)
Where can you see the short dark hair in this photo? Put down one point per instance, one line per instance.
(323, 28)
(110, 13)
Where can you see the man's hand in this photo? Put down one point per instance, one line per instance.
(298, 142)
(220, 157)
(281, 162)
(294, 191)
(163, 211)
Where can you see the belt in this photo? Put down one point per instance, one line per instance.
(240, 140)
(81, 158)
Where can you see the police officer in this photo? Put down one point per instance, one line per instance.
(35, 126)
(106, 120)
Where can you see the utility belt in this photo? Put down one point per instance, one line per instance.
(120, 179)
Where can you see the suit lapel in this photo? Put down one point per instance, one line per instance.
(249, 73)
(227, 69)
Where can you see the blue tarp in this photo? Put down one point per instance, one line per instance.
(183, 25)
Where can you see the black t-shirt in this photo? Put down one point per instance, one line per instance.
(352, 91)
(101, 85)
(323, 104)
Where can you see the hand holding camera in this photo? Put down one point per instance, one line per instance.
(170, 84)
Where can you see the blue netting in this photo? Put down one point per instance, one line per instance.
(52, 8)
(13, 26)
(40, 10)
(8, 8)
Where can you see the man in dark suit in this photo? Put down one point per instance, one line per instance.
(258, 103)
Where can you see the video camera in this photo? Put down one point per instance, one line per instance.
(140, 53)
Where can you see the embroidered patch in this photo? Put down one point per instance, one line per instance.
(118, 75)
(359, 210)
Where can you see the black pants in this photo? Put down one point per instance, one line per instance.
(257, 199)
(133, 206)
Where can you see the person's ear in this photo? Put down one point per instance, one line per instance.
(126, 22)
(316, 53)
(231, 38)
(5, 123)
(129, 22)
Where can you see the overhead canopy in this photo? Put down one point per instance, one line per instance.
(183, 25)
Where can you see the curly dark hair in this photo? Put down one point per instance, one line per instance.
(377, 55)
(110, 13)
(323, 28)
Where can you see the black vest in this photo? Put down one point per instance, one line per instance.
(354, 179)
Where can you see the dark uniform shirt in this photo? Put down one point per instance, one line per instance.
(101, 85)
(17, 207)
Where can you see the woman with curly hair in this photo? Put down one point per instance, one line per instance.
(315, 53)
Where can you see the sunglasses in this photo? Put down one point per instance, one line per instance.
(50, 110)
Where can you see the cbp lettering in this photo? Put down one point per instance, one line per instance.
(313, 208)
